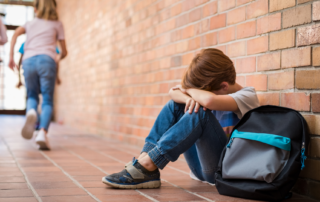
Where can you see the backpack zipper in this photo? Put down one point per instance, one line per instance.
(230, 142)
(303, 157)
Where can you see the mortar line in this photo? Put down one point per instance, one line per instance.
(70, 177)
(24, 174)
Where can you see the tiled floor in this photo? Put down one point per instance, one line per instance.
(72, 171)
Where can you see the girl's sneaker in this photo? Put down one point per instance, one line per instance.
(42, 140)
(134, 176)
(29, 125)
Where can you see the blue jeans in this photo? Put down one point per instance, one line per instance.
(198, 136)
(40, 76)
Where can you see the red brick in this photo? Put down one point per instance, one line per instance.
(283, 39)
(313, 122)
(218, 21)
(236, 15)
(269, 98)
(188, 32)
(228, 34)
(281, 81)
(209, 39)
(226, 4)
(269, 23)
(269, 61)
(236, 49)
(303, 1)
(246, 29)
(210, 9)
(222, 48)
(276, 5)
(182, 20)
(315, 102)
(194, 43)
(258, 81)
(308, 79)
(297, 101)
(205, 25)
(308, 35)
(316, 11)
(298, 57)
(316, 56)
(296, 16)
(257, 45)
(257, 8)
(241, 80)
(187, 58)
(245, 65)
(176, 10)
(195, 15)
(241, 2)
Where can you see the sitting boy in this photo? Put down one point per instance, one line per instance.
(203, 109)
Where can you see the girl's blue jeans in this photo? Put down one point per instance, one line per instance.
(198, 136)
(40, 75)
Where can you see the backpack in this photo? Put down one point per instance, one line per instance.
(264, 155)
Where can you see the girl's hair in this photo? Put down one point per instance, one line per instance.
(208, 70)
(46, 9)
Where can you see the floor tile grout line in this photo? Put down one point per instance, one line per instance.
(162, 179)
(24, 174)
(149, 197)
(69, 176)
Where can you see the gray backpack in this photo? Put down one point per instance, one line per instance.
(264, 155)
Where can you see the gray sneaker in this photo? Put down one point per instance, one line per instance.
(134, 176)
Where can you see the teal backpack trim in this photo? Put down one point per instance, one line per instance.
(270, 139)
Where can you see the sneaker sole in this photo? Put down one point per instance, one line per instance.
(28, 128)
(145, 185)
(42, 145)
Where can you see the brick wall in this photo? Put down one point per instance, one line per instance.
(124, 56)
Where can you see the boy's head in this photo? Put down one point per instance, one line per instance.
(209, 70)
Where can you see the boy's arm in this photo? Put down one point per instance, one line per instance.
(212, 101)
(178, 96)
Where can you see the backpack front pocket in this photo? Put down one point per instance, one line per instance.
(255, 156)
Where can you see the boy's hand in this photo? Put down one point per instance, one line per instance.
(192, 104)
(179, 87)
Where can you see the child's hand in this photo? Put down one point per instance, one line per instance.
(12, 64)
(19, 84)
(191, 105)
(179, 87)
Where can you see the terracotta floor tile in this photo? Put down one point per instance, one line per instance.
(111, 191)
(176, 197)
(9, 186)
(24, 199)
(92, 184)
(122, 198)
(51, 185)
(11, 179)
(15, 193)
(68, 199)
(61, 192)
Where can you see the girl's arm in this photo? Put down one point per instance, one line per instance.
(64, 51)
(19, 31)
(19, 67)
(212, 101)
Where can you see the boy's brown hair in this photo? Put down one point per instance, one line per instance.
(208, 70)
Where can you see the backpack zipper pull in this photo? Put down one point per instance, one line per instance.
(303, 157)
(230, 142)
